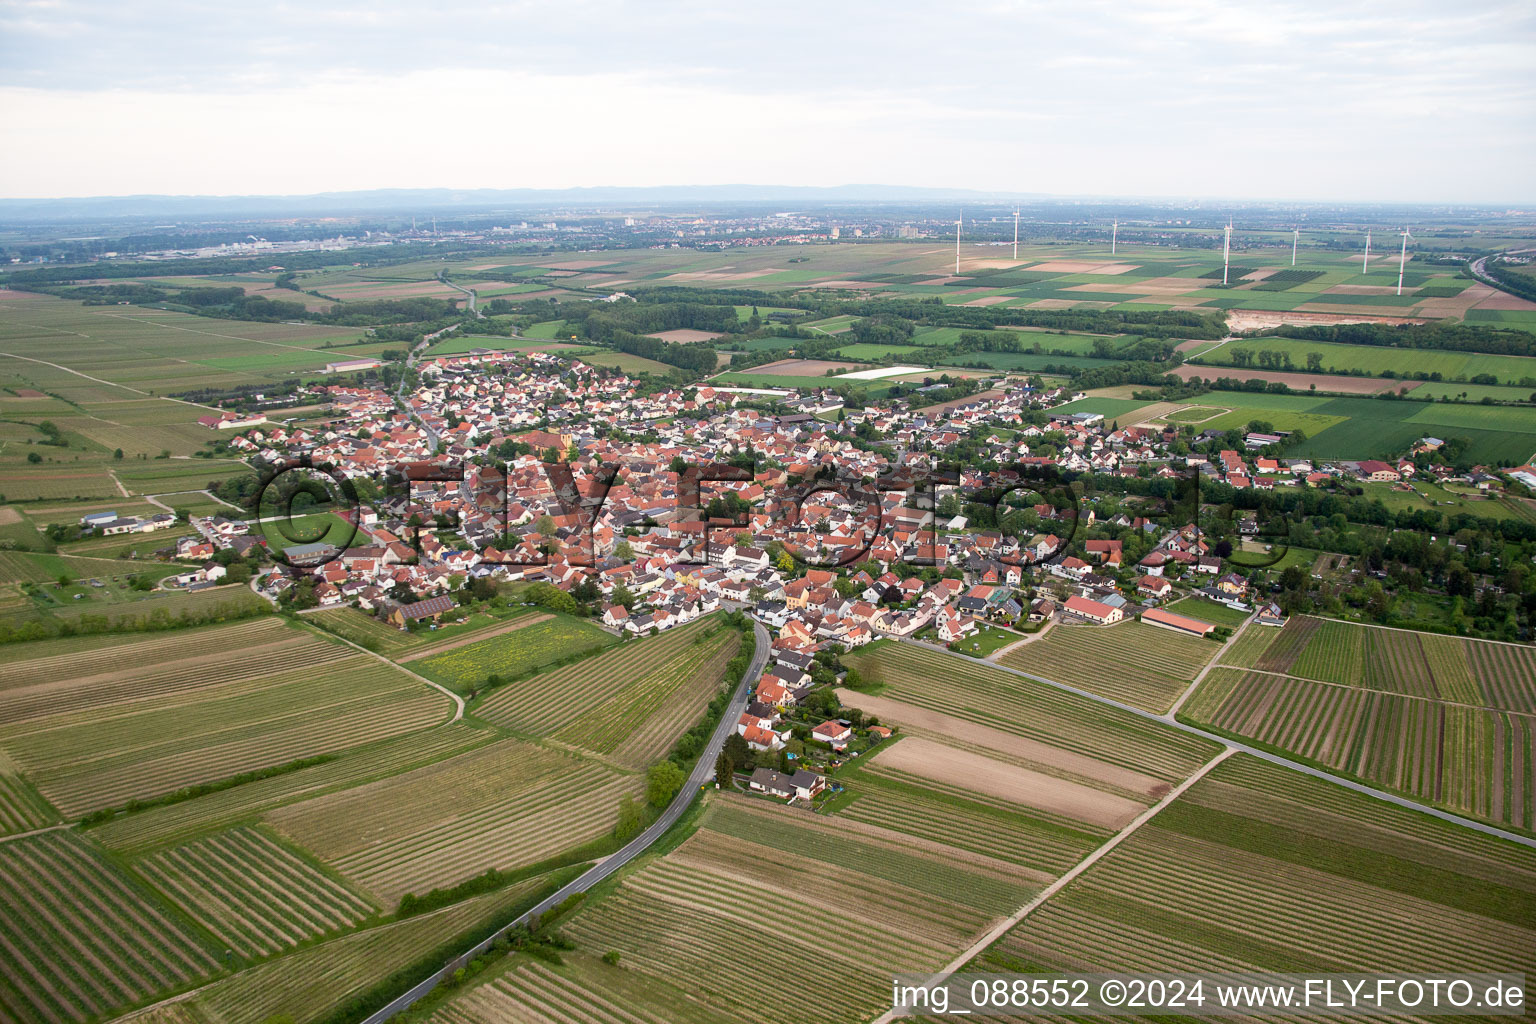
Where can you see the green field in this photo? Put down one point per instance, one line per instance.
(1376, 360)
(512, 654)
(1209, 611)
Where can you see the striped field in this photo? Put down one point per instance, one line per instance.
(77, 939)
(253, 894)
(1144, 666)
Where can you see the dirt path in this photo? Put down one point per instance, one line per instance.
(997, 654)
(475, 637)
(458, 702)
(1208, 666)
(1001, 928)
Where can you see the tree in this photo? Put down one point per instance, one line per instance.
(631, 820)
(118, 455)
(622, 595)
(662, 780)
(725, 770)
(737, 750)
(34, 458)
(623, 551)
(545, 527)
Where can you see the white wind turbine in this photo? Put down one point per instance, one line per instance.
(1015, 233)
(1295, 234)
(1402, 261)
(1365, 265)
(1114, 236)
(1226, 252)
(958, 224)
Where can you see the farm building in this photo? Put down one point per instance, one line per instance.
(432, 608)
(1093, 611)
(1375, 469)
(351, 365)
(1177, 623)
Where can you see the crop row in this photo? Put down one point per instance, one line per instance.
(689, 675)
(534, 991)
(253, 894)
(1475, 760)
(1010, 704)
(1131, 662)
(1455, 669)
(670, 919)
(306, 984)
(75, 656)
(501, 806)
(77, 939)
(162, 685)
(163, 826)
(88, 765)
(545, 702)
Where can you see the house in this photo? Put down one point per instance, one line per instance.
(615, 615)
(1233, 584)
(802, 785)
(952, 625)
(1093, 611)
(1271, 615)
(431, 609)
(834, 733)
(763, 739)
(1154, 586)
(1178, 623)
(1041, 608)
(1375, 469)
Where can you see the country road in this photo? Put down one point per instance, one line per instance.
(702, 772)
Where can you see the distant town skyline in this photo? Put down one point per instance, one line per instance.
(1414, 101)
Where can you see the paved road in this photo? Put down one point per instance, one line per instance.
(702, 772)
(1283, 762)
(1479, 269)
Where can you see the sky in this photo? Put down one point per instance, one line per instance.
(1312, 100)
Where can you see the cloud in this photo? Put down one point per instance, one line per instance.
(1410, 100)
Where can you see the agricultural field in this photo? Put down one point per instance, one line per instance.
(1474, 672)
(506, 805)
(1444, 719)
(159, 827)
(81, 938)
(1375, 360)
(639, 723)
(977, 693)
(1110, 408)
(308, 984)
(1145, 666)
(1206, 610)
(463, 669)
(256, 896)
(404, 645)
(1472, 760)
(565, 697)
(96, 721)
(1258, 869)
(667, 919)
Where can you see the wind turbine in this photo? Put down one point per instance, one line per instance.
(1295, 234)
(1402, 261)
(1114, 236)
(1226, 252)
(958, 224)
(1015, 233)
(1365, 265)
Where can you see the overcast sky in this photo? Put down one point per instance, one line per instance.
(1408, 100)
